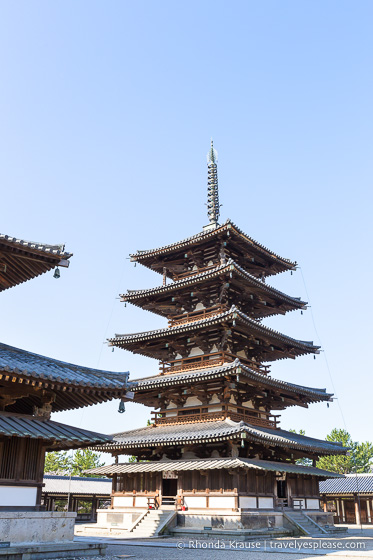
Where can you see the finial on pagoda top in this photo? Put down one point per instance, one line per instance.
(213, 206)
(212, 156)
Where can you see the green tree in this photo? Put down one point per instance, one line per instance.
(57, 462)
(358, 459)
(83, 460)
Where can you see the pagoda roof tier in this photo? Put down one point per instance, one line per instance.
(218, 431)
(289, 394)
(239, 288)
(209, 464)
(22, 260)
(267, 344)
(179, 258)
(55, 435)
(28, 377)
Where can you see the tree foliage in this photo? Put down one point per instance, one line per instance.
(358, 460)
(60, 463)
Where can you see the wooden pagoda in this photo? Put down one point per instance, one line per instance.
(215, 421)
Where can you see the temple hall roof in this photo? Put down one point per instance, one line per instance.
(22, 260)
(222, 430)
(56, 435)
(74, 385)
(277, 263)
(209, 464)
(236, 367)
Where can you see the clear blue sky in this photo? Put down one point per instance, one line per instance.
(106, 114)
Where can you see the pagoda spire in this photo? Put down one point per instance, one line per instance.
(213, 206)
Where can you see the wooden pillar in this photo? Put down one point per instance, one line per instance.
(325, 503)
(357, 509)
(368, 511)
(343, 511)
(94, 508)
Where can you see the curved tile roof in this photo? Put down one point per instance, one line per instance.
(133, 295)
(232, 313)
(209, 464)
(216, 372)
(204, 432)
(59, 436)
(228, 225)
(54, 484)
(27, 364)
(352, 483)
(55, 250)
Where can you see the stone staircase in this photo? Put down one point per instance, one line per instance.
(305, 524)
(152, 523)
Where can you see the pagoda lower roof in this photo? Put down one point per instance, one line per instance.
(75, 386)
(233, 315)
(217, 431)
(210, 464)
(141, 297)
(56, 436)
(22, 260)
(234, 368)
(278, 264)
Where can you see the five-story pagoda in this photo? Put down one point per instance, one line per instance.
(215, 441)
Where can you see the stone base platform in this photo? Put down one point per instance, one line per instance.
(36, 527)
(53, 551)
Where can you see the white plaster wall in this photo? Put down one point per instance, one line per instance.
(171, 413)
(199, 306)
(214, 400)
(265, 503)
(141, 501)
(221, 502)
(195, 352)
(195, 502)
(248, 403)
(17, 496)
(123, 501)
(193, 401)
(171, 405)
(313, 503)
(247, 502)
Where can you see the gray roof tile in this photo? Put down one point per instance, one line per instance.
(205, 235)
(62, 436)
(352, 483)
(76, 485)
(179, 434)
(231, 314)
(216, 372)
(20, 362)
(209, 464)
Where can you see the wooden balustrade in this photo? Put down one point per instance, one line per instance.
(192, 316)
(208, 360)
(199, 414)
(193, 272)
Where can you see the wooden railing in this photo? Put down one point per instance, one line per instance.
(208, 360)
(193, 272)
(185, 318)
(199, 414)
